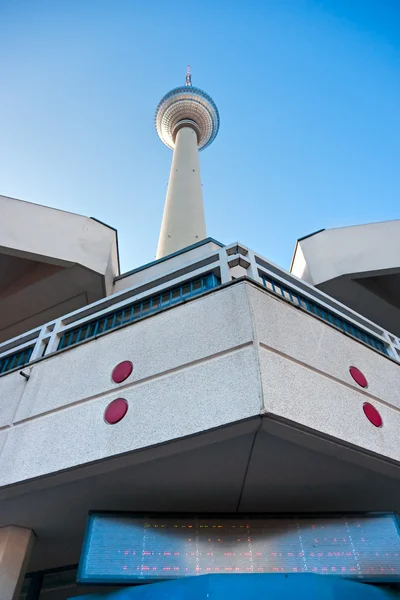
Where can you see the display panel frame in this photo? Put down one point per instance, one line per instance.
(133, 579)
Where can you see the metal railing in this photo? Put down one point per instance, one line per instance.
(187, 281)
(15, 359)
(327, 315)
(133, 312)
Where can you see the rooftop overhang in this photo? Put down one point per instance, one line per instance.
(51, 263)
(258, 465)
(359, 266)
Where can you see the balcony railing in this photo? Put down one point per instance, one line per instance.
(137, 310)
(188, 281)
(15, 359)
(318, 310)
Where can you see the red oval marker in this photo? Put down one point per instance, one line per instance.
(358, 377)
(122, 371)
(372, 414)
(116, 411)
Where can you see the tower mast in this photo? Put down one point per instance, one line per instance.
(188, 77)
(187, 121)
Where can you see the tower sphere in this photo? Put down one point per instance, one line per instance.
(187, 106)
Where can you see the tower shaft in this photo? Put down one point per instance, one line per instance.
(183, 222)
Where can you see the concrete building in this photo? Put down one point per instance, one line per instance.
(209, 381)
(357, 265)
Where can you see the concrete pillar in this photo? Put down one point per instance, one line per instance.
(183, 221)
(15, 546)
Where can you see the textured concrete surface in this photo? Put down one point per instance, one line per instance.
(12, 387)
(197, 367)
(166, 341)
(305, 339)
(3, 437)
(297, 393)
(204, 396)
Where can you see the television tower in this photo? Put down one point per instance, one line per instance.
(187, 121)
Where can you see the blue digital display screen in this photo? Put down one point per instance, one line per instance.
(123, 548)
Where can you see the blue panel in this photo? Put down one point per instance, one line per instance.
(244, 587)
(18, 359)
(124, 548)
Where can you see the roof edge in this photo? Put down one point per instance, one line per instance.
(116, 240)
(164, 258)
(300, 240)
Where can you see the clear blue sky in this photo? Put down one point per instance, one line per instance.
(308, 93)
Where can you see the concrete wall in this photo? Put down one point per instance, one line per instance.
(55, 236)
(51, 263)
(347, 250)
(41, 301)
(163, 267)
(180, 358)
(233, 354)
(359, 266)
(305, 377)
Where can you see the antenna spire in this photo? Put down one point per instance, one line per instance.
(188, 76)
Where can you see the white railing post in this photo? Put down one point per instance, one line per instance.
(40, 342)
(393, 344)
(252, 270)
(53, 337)
(223, 266)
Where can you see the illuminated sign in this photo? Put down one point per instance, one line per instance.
(122, 548)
